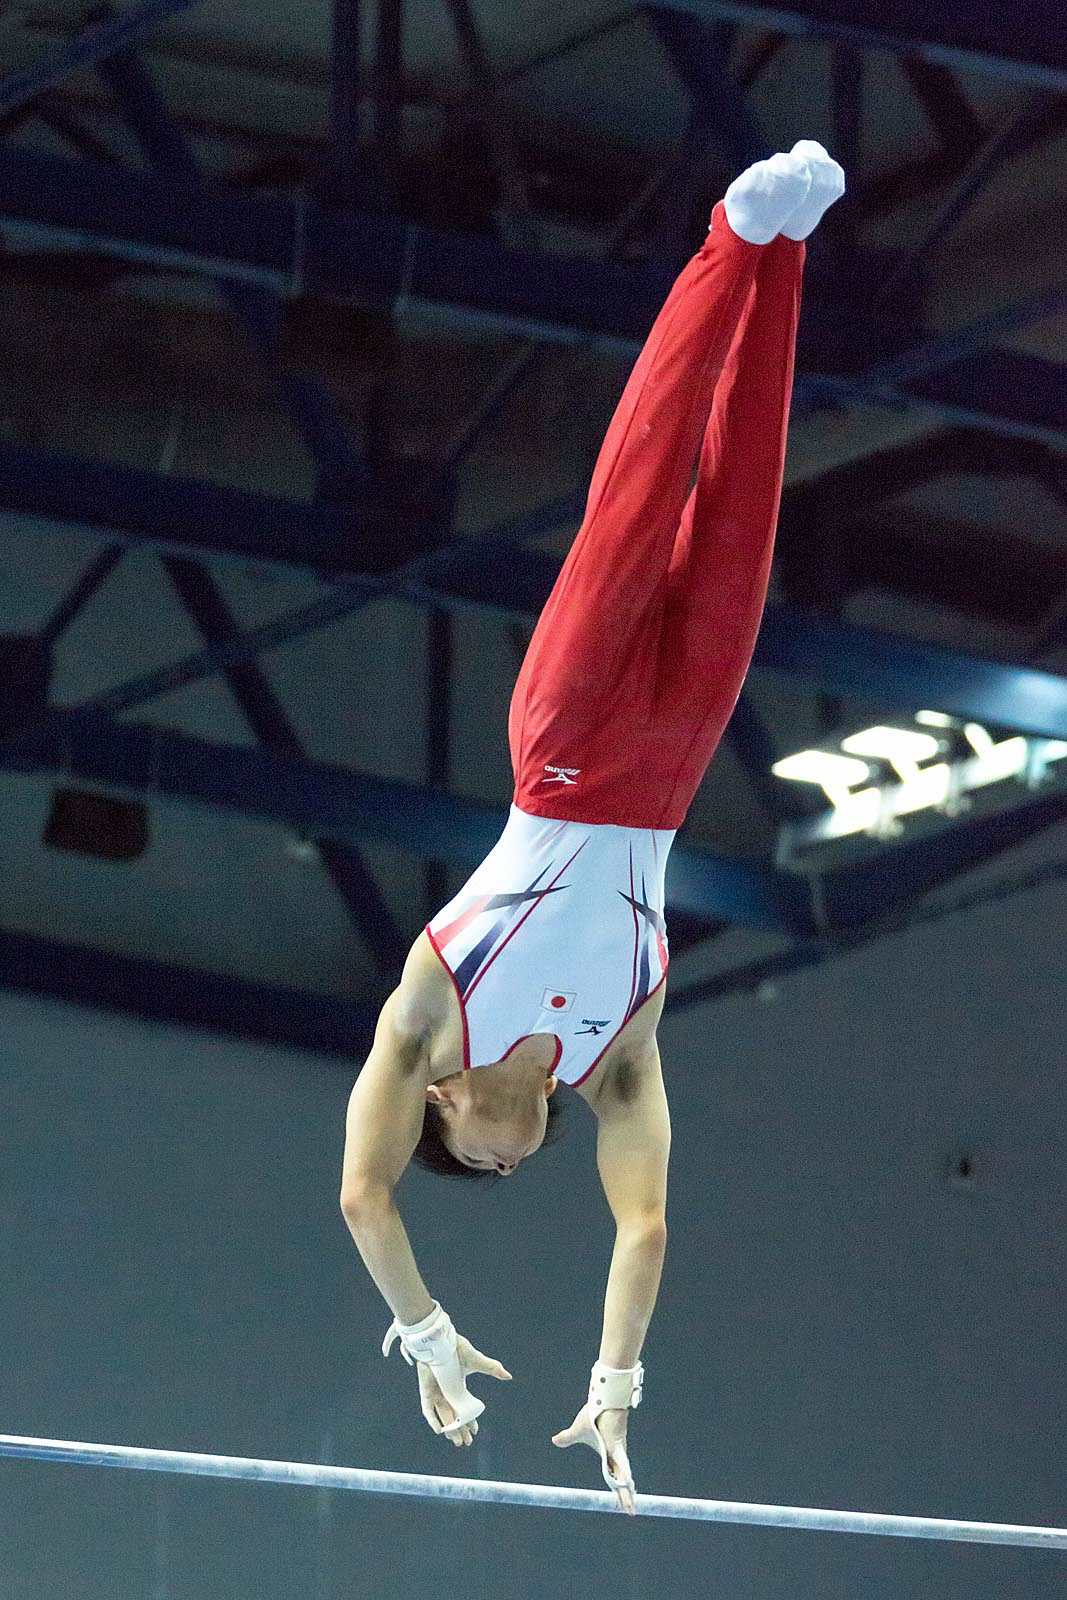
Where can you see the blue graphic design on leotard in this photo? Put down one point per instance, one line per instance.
(468, 968)
(651, 915)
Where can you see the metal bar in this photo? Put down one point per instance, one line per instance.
(96, 573)
(286, 244)
(551, 1497)
(518, 227)
(573, 41)
(190, 997)
(749, 739)
(889, 670)
(944, 350)
(92, 46)
(313, 410)
(346, 58)
(469, 281)
(185, 517)
(367, 906)
(699, 56)
(337, 803)
(944, 102)
(388, 80)
(1008, 58)
(751, 976)
(843, 392)
(489, 572)
(49, 110)
(718, 117)
(1004, 140)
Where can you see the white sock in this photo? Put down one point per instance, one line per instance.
(827, 185)
(765, 196)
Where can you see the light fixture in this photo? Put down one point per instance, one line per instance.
(903, 748)
(978, 739)
(836, 775)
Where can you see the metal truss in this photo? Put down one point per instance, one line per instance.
(93, 45)
(194, 999)
(339, 236)
(335, 803)
(493, 571)
(1025, 44)
(341, 474)
(295, 247)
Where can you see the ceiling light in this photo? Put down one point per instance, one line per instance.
(978, 738)
(834, 774)
(903, 748)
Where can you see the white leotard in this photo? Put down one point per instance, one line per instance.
(559, 931)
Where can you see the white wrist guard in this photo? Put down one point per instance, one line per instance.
(432, 1340)
(614, 1388)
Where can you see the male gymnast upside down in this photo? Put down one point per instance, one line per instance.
(550, 964)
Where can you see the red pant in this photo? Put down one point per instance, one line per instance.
(639, 656)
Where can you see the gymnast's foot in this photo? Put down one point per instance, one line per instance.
(784, 194)
(827, 185)
(766, 196)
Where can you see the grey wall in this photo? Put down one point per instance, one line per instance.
(837, 1324)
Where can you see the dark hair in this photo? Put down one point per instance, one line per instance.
(432, 1153)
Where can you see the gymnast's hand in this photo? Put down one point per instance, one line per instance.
(436, 1407)
(444, 1360)
(606, 1435)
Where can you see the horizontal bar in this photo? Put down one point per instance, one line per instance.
(425, 1487)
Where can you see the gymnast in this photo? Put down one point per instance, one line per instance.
(550, 964)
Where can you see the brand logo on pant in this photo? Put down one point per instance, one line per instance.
(562, 774)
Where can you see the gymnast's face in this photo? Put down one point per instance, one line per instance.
(492, 1123)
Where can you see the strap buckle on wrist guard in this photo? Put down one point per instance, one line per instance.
(614, 1390)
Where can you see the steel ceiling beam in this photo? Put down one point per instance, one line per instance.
(341, 476)
(1025, 43)
(266, 716)
(291, 246)
(341, 473)
(192, 998)
(334, 802)
(494, 572)
(343, 159)
(93, 45)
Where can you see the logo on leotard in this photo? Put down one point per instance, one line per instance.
(562, 774)
(592, 1027)
(557, 1000)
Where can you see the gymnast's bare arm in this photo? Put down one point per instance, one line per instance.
(385, 1116)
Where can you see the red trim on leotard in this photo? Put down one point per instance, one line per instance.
(463, 1018)
(540, 897)
(457, 925)
(618, 1030)
(525, 1036)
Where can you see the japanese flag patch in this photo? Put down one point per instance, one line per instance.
(558, 1000)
